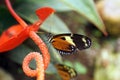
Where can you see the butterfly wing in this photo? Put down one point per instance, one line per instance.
(64, 75)
(63, 46)
(66, 72)
(81, 41)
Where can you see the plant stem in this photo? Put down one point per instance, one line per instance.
(43, 48)
(13, 13)
(39, 71)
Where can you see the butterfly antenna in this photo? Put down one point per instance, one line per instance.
(50, 36)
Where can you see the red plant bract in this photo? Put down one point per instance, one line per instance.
(16, 34)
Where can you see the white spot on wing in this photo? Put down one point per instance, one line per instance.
(84, 40)
(68, 39)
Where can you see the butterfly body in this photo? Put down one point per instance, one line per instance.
(69, 43)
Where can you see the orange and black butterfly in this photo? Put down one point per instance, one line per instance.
(66, 72)
(69, 43)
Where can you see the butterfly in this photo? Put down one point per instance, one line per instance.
(66, 72)
(68, 43)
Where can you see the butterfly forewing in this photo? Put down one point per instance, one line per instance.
(62, 45)
(81, 41)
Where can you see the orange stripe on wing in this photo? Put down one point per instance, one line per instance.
(61, 45)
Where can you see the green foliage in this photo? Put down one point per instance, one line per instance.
(87, 9)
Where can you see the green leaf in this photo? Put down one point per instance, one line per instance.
(53, 24)
(6, 20)
(19, 53)
(81, 69)
(87, 9)
(56, 4)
